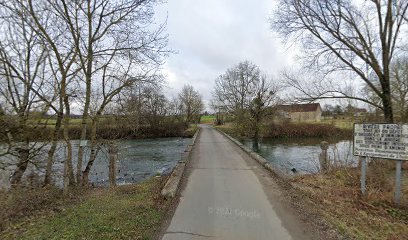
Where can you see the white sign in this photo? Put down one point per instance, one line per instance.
(381, 141)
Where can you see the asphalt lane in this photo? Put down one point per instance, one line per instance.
(224, 199)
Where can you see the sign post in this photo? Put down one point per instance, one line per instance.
(386, 141)
(363, 175)
(398, 183)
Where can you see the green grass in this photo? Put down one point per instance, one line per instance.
(207, 119)
(126, 212)
(340, 123)
(73, 121)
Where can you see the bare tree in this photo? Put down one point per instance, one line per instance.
(154, 105)
(191, 103)
(101, 46)
(354, 36)
(265, 96)
(115, 78)
(399, 88)
(234, 89)
(152, 111)
(105, 31)
(22, 73)
(41, 19)
(247, 93)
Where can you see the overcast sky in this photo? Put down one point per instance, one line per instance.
(212, 35)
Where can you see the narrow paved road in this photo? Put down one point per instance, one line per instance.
(224, 199)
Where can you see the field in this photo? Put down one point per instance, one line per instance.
(340, 123)
(207, 119)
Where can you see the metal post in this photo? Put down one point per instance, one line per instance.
(363, 175)
(398, 180)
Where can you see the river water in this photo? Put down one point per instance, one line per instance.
(142, 159)
(137, 160)
(302, 154)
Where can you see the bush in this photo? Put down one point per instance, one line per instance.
(305, 130)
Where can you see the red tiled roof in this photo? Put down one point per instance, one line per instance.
(309, 107)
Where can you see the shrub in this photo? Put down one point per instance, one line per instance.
(305, 130)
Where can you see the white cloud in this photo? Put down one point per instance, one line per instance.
(211, 36)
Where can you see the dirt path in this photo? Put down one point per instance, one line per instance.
(228, 197)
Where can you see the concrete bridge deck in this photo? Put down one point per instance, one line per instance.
(226, 199)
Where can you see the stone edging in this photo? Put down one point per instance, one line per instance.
(170, 189)
(262, 161)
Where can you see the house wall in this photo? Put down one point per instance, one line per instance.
(306, 116)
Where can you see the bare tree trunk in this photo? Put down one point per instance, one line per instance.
(22, 165)
(85, 173)
(113, 158)
(65, 177)
(81, 148)
(68, 159)
(387, 105)
(23, 152)
(88, 82)
(51, 152)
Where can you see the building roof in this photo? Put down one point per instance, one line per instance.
(360, 110)
(309, 107)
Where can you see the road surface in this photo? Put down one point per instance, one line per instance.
(224, 199)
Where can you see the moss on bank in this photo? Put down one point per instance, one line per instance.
(125, 212)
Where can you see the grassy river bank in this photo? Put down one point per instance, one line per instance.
(125, 212)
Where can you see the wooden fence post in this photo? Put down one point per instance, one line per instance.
(113, 158)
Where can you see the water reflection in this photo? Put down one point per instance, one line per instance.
(138, 160)
(302, 154)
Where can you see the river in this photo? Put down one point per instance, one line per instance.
(302, 154)
(137, 160)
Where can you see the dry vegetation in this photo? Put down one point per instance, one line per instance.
(300, 130)
(114, 128)
(293, 130)
(336, 196)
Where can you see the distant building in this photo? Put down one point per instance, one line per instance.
(360, 112)
(311, 112)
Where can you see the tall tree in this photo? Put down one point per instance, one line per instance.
(264, 97)
(106, 32)
(247, 93)
(115, 79)
(23, 58)
(343, 35)
(399, 88)
(235, 88)
(191, 103)
(40, 17)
